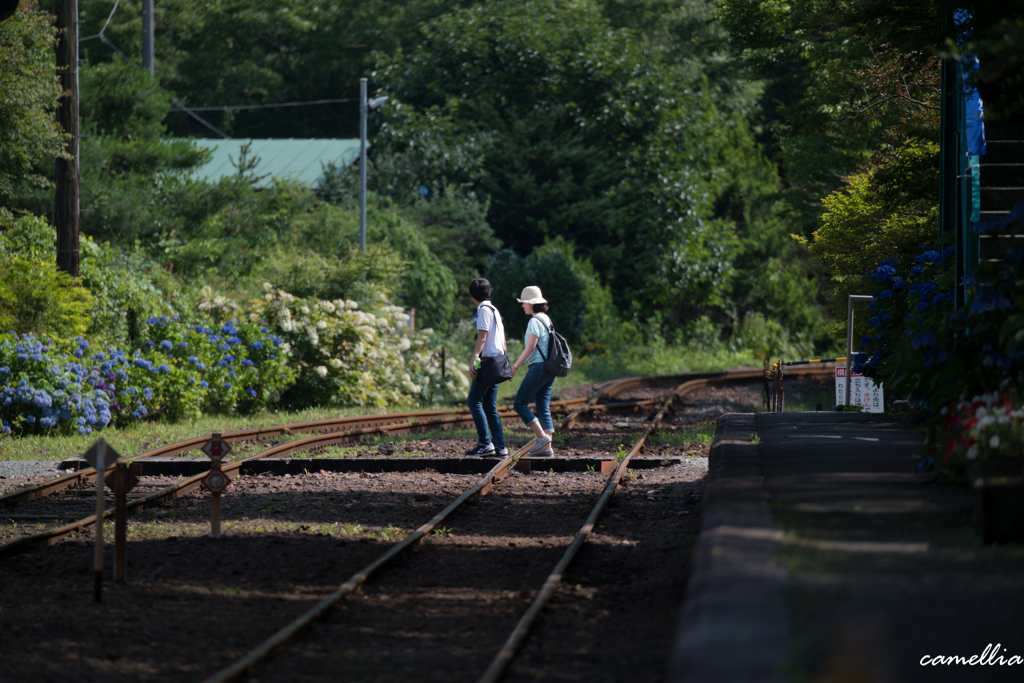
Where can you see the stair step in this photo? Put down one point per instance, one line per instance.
(1002, 175)
(1003, 152)
(995, 246)
(1004, 130)
(1000, 198)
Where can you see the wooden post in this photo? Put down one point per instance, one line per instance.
(215, 516)
(120, 518)
(66, 200)
(98, 559)
(444, 352)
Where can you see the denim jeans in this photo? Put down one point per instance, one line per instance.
(536, 387)
(483, 405)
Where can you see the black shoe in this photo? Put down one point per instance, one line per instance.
(482, 449)
(503, 452)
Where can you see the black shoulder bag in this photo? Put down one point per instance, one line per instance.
(494, 369)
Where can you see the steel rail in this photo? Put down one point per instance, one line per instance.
(262, 652)
(182, 488)
(265, 650)
(88, 475)
(51, 536)
(512, 644)
(504, 657)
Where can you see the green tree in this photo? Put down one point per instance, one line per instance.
(245, 52)
(886, 210)
(29, 135)
(579, 135)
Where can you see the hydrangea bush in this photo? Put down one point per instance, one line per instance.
(349, 356)
(311, 351)
(49, 386)
(927, 348)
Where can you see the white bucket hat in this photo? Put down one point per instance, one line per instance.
(532, 295)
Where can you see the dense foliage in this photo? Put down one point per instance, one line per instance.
(924, 348)
(29, 135)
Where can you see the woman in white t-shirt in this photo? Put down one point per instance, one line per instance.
(536, 385)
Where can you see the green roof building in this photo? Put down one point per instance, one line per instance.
(302, 160)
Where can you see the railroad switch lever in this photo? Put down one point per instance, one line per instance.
(100, 456)
(217, 479)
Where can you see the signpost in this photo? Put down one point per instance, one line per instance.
(216, 480)
(101, 456)
(125, 479)
(862, 391)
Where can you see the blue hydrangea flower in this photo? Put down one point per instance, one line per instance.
(203, 384)
(251, 392)
(257, 345)
(166, 345)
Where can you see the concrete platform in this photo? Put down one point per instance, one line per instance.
(824, 556)
(172, 466)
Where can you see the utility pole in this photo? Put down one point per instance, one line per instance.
(362, 164)
(147, 36)
(66, 200)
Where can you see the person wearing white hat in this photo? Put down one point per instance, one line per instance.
(536, 386)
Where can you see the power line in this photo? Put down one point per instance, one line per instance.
(181, 105)
(105, 25)
(236, 107)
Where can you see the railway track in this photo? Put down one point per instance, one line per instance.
(405, 423)
(323, 433)
(262, 653)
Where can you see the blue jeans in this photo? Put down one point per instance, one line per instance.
(483, 405)
(536, 387)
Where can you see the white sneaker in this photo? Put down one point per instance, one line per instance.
(542, 446)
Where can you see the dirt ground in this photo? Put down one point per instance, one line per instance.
(193, 604)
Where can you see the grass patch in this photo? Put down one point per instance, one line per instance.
(140, 438)
(418, 436)
(700, 434)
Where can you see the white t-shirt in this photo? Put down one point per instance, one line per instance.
(488, 318)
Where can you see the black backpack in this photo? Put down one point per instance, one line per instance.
(559, 358)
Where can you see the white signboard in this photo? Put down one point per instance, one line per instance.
(864, 392)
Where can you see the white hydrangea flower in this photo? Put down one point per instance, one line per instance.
(336, 363)
(267, 287)
(994, 441)
(321, 325)
(972, 452)
(320, 370)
